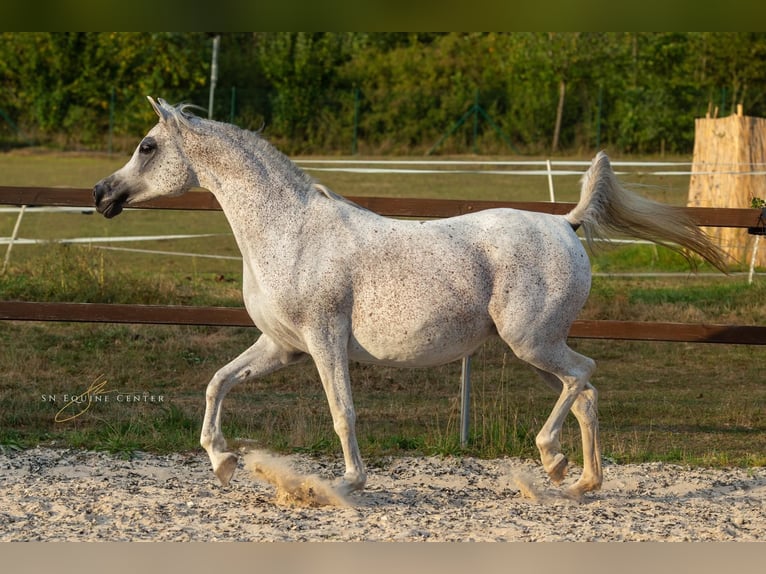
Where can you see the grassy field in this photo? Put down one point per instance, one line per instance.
(693, 404)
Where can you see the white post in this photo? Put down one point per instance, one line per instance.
(14, 235)
(465, 400)
(752, 260)
(550, 182)
(213, 75)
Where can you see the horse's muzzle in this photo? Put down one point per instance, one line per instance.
(108, 203)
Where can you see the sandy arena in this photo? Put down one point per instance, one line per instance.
(71, 495)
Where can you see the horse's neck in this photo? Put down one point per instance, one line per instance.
(262, 193)
(261, 205)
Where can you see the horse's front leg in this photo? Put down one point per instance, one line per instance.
(260, 359)
(331, 358)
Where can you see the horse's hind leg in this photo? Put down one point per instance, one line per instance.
(260, 359)
(585, 410)
(569, 373)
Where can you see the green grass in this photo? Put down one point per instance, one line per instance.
(61, 272)
(691, 404)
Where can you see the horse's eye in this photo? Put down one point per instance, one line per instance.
(147, 147)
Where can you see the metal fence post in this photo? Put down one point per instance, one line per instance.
(550, 181)
(14, 236)
(213, 75)
(111, 119)
(465, 401)
(354, 141)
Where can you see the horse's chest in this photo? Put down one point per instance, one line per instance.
(276, 324)
(288, 309)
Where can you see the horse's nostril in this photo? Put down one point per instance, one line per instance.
(99, 190)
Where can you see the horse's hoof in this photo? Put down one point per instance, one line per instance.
(558, 470)
(574, 493)
(579, 488)
(346, 485)
(225, 469)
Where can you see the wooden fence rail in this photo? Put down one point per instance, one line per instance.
(393, 207)
(408, 207)
(238, 317)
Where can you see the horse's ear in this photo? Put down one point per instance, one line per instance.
(159, 108)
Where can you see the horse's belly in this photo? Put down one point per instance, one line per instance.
(413, 353)
(420, 339)
(420, 306)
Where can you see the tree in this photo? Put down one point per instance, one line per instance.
(302, 70)
(732, 61)
(547, 91)
(62, 82)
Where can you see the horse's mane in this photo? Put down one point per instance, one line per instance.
(243, 138)
(182, 115)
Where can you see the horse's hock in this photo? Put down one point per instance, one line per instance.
(729, 170)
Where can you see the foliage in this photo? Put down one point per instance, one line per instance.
(634, 92)
(61, 83)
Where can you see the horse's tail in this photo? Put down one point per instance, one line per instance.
(606, 207)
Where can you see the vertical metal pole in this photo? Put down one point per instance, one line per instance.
(550, 182)
(14, 235)
(465, 401)
(111, 119)
(213, 75)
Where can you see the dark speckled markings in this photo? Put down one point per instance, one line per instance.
(328, 279)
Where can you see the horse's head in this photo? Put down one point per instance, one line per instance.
(157, 168)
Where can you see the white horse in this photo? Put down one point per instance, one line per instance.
(328, 279)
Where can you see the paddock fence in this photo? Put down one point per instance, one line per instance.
(393, 207)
